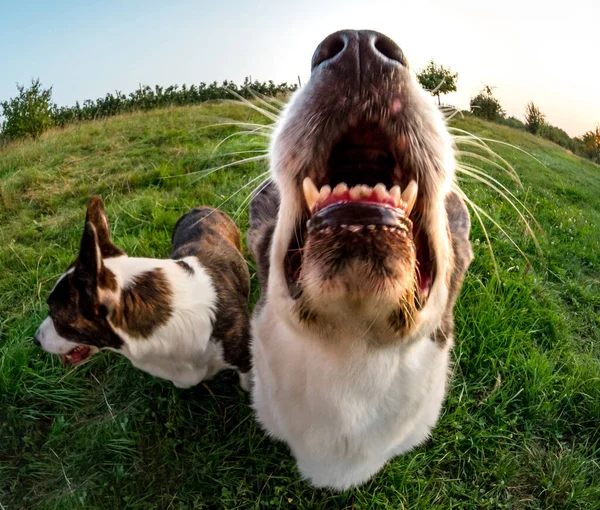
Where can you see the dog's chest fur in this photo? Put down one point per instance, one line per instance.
(344, 412)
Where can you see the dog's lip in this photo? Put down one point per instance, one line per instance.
(78, 355)
(359, 213)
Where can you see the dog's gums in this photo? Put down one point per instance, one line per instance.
(78, 355)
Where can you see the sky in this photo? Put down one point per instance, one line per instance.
(530, 50)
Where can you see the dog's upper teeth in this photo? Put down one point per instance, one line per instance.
(340, 189)
(366, 191)
(409, 195)
(311, 193)
(395, 194)
(380, 191)
(355, 193)
(325, 192)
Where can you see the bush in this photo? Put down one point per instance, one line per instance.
(534, 118)
(512, 122)
(486, 106)
(591, 144)
(28, 114)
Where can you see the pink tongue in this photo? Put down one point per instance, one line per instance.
(75, 357)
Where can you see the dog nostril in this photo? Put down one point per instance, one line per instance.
(389, 49)
(36, 341)
(328, 49)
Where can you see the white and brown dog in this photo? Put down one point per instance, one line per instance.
(362, 246)
(183, 319)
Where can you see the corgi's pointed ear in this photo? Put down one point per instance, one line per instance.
(87, 269)
(96, 215)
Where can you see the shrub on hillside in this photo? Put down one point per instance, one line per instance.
(534, 118)
(486, 106)
(512, 122)
(591, 143)
(29, 113)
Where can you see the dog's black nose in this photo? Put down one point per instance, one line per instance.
(362, 51)
(36, 340)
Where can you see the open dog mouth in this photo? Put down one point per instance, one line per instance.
(78, 355)
(367, 187)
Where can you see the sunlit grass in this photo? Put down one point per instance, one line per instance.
(520, 425)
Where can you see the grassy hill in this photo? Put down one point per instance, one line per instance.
(520, 425)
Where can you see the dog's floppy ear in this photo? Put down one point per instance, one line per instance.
(87, 269)
(96, 215)
(460, 226)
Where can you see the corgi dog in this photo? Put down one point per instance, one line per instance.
(182, 319)
(362, 245)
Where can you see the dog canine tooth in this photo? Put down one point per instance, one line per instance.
(340, 189)
(311, 193)
(409, 196)
(395, 194)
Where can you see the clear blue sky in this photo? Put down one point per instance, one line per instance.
(530, 49)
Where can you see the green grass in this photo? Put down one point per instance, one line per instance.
(520, 427)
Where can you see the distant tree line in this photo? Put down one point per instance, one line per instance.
(32, 111)
(439, 80)
(487, 106)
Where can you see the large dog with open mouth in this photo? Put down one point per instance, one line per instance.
(361, 247)
(183, 319)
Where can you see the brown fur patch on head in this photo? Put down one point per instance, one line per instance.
(80, 324)
(145, 304)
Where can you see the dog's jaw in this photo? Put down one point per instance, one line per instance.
(344, 386)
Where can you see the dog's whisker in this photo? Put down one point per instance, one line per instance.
(512, 204)
(246, 203)
(270, 99)
(238, 133)
(208, 171)
(269, 115)
(248, 151)
(262, 101)
(473, 155)
(464, 168)
(497, 225)
(260, 176)
(471, 204)
(229, 122)
(467, 135)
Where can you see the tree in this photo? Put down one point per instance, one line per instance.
(534, 118)
(437, 79)
(485, 105)
(591, 141)
(28, 114)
